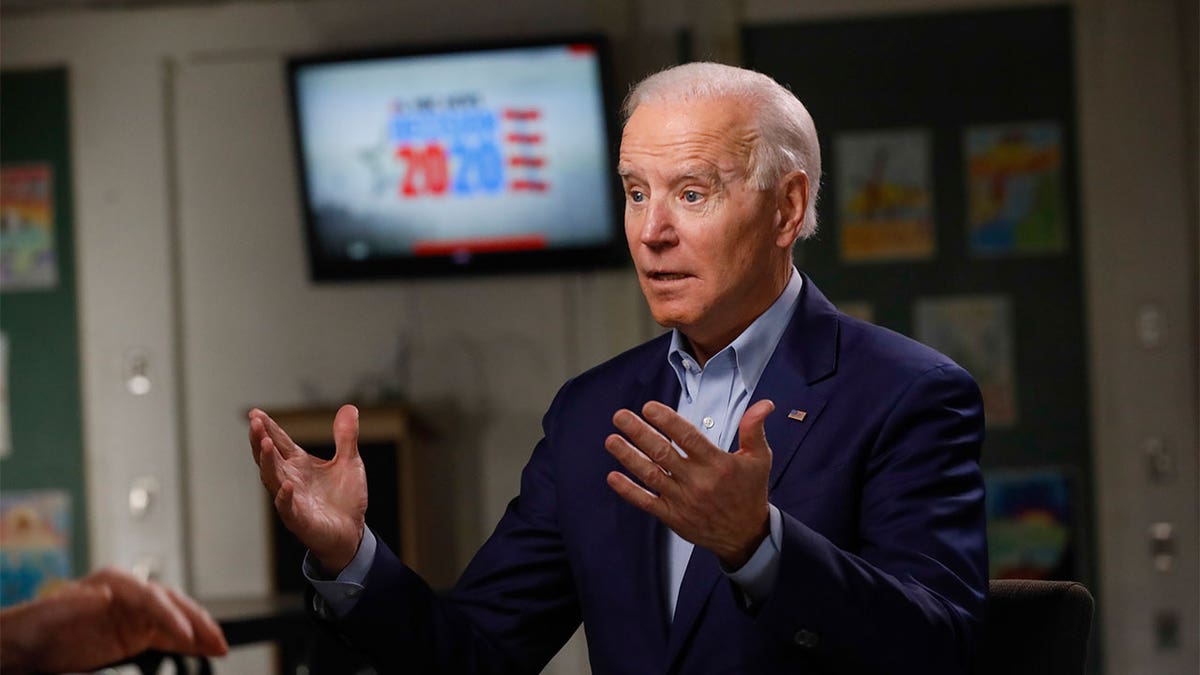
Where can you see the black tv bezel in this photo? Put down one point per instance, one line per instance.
(577, 258)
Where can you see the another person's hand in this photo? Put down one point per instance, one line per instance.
(322, 502)
(105, 617)
(712, 498)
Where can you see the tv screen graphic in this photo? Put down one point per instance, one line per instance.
(456, 160)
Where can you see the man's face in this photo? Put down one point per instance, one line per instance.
(708, 247)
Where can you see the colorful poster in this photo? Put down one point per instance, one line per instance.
(1029, 524)
(28, 258)
(35, 543)
(1015, 200)
(977, 332)
(885, 196)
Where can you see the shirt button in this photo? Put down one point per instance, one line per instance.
(806, 638)
(687, 365)
(708, 422)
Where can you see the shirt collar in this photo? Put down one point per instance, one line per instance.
(753, 348)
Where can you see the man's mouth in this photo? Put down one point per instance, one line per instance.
(666, 276)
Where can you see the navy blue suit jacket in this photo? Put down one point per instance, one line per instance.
(883, 564)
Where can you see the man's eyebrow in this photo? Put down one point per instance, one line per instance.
(703, 171)
(686, 172)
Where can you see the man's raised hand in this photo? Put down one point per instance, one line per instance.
(712, 498)
(322, 502)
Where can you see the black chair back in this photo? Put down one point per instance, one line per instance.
(1036, 628)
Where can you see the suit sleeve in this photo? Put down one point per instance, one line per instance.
(510, 612)
(910, 596)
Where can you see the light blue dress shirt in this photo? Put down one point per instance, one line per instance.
(338, 596)
(713, 398)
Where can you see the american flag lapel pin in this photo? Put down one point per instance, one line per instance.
(797, 415)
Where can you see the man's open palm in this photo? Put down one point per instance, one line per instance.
(322, 502)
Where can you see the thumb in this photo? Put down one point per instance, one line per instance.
(345, 432)
(752, 435)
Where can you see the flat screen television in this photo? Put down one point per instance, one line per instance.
(457, 160)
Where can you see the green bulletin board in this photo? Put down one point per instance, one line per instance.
(936, 129)
(38, 315)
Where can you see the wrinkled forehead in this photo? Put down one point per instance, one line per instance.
(718, 130)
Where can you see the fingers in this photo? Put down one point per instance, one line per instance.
(270, 471)
(208, 640)
(174, 621)
(711, 498)
(257, 433)
(285, 503)
(752, 433)
(345, 432)
(647, 439)
(171, 629)
(295, 513)
(652, 474)
(650, 456)
(686, 436)
(143, 613)
(283, 443)
(636, 495)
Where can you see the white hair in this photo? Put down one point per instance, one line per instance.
(787, 136)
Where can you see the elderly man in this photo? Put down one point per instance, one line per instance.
(840, 529)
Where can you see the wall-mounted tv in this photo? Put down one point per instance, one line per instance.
(457, 160)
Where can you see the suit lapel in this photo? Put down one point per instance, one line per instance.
(656, 381)
(806, 355)
(703, 572)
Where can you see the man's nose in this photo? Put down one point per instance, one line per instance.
(658, 230)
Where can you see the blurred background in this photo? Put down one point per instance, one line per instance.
(157, 280)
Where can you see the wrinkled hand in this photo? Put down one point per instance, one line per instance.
(105, 617)
(322, 502)
(712, 498)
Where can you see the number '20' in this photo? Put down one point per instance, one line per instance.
(477, 168)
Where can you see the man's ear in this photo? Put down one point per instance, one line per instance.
(793, 203)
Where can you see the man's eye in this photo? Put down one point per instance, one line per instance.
(691, 196)
(637, 196)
